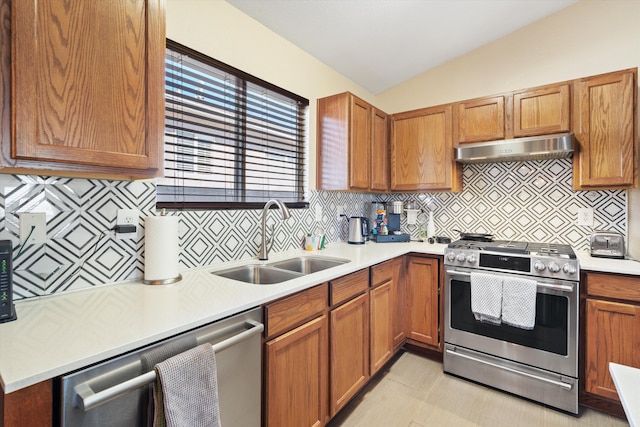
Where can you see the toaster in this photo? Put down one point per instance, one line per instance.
(607, 244)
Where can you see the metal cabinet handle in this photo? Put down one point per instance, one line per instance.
(565, 386)
(563, 288)
(87, 399)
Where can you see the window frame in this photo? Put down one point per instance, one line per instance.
(302, 156)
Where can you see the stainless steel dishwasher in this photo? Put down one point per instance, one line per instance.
(116, 392)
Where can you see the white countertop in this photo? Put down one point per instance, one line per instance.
(608, 265)
(627, 381)
(61, 333)
(57, 334)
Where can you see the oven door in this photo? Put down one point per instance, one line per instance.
(552, 343)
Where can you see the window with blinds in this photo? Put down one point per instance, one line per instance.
(231, 139)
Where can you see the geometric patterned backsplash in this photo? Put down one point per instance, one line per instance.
(531, 200)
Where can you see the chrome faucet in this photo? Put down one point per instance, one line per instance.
(267, 244)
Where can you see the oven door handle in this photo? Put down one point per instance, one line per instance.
(565, 386)
(562, 288)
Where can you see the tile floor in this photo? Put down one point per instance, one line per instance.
(414, 392)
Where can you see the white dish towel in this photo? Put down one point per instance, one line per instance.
(186, 390)
(519, 302)
(486, 297)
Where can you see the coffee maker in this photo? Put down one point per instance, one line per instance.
(391, 230)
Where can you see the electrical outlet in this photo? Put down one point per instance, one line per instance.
(318, 213)
(585, 217)
(33, 219)
(125, 217)
(339, 211)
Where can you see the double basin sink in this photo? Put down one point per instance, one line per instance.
(280, 271)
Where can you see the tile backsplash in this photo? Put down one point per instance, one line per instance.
(518, 200)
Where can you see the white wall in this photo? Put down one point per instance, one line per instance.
(219, 30)
(587, 38)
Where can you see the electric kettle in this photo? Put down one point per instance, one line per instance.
(358, 230)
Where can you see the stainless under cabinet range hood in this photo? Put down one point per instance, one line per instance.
(510, 150)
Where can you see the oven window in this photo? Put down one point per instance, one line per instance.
(549, 333)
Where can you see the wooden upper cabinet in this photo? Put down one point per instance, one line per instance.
(605, 124)
(352, 145)
(360, 144)
(380, 152)
(542, 111)
(480, 120)
(88, 86)
(422, 151)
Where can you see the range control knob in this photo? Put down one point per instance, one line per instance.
(553, 267)
(539, 266)
(569, 269)
(471, 259)
(451, 256)
(461, 257)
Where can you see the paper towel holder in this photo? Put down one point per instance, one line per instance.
(162, 281)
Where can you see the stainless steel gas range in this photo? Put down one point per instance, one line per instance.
(539, 360)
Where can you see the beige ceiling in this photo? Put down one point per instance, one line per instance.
(380, 43)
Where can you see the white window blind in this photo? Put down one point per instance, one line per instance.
(231, 139)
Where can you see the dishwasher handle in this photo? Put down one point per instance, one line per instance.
(86, 399)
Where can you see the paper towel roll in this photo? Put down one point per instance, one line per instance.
(161, 250)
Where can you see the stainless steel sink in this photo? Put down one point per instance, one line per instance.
(258, 274)
(280, 271)
(309, 264)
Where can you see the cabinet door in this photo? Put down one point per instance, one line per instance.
(296, 376)
(480, 120)
(393, 271)
(380, 151)
(541, 111)
(89, 83)
(360, 145)
(422, 151)
(349, 329)
(612, 335)
(422, 285)
(381, 325)
(605, 126)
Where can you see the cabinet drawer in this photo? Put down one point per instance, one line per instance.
(348, 286)
(294, 310)
(613, 286)
(383, 272)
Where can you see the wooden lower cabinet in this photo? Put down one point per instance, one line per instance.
(423, 302)
(30, 406)
(296, 376)
(381, 300)
(349, 342)
(613, 335)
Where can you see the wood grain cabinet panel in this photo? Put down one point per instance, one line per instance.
(542, 111)
(296, 376)
(605, 124)
(381, 300)
(88, 84)
(612, 335)
(380, 152)
(30, 406)
(352, 145)
(480, 120)
(349, 365)
(394, 271)
(422, 292)
(422, 151)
